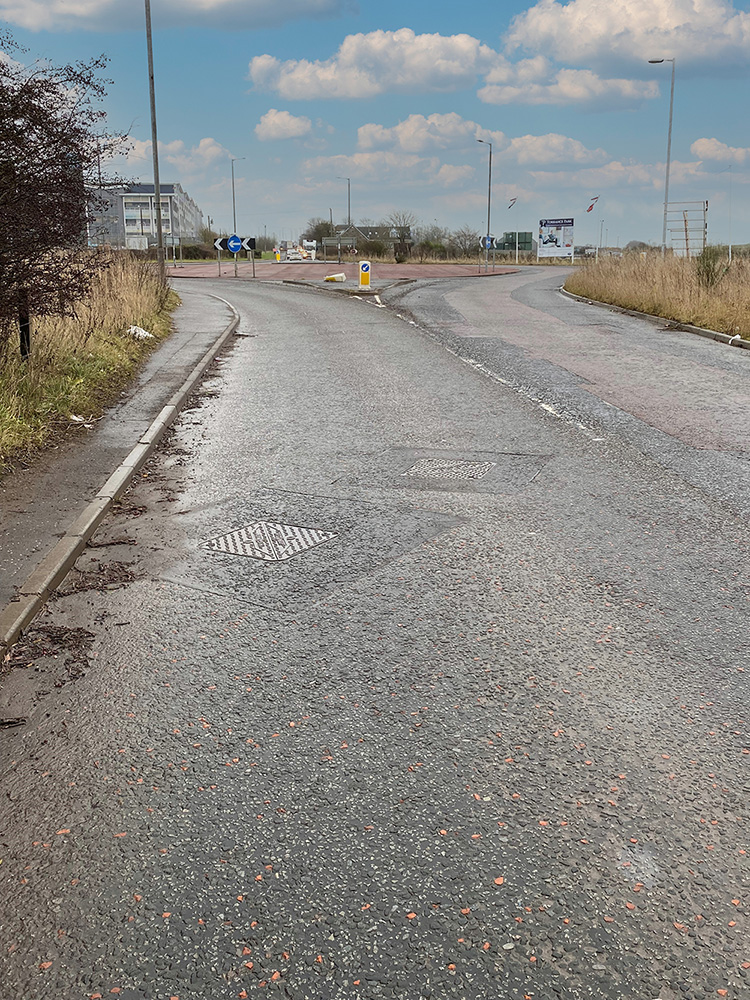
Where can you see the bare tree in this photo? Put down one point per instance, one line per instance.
(52, 143)
(263, 243)
(402, 221)
(465, 241)
(317, 228)
(431, 241)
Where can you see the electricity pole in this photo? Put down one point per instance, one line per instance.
(154, 142)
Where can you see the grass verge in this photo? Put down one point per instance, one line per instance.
(706, 291)
(80, 363)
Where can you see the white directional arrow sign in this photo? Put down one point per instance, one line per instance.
(231, 244)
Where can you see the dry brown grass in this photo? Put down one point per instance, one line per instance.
(706, 292)
(79, 363)
(502, 259)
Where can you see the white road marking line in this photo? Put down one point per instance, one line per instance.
(521, 390)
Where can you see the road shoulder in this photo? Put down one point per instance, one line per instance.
(50, 509)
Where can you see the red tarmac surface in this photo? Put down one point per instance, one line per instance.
(269, 270)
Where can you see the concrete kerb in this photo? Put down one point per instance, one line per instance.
(53, 569)
(55, 566)
(15, 617)
(699, 331)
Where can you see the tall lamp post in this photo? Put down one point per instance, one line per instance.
(489, 207)
(669, 154)
(234, 206)
(348, 198)
(155, 146)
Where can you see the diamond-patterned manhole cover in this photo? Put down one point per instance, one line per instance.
(269, 540)
(443, 468)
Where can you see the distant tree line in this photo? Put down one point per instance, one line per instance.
(424, 241)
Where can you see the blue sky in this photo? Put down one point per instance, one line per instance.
(394, 95)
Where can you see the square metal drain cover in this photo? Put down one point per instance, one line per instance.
(445, 468)
(269, 540)
(348, 540)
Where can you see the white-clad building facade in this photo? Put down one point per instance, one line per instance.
(126, 216)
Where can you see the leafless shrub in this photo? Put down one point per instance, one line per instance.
(52, 141)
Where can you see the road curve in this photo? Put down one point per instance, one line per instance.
(676, 397)
(392, 679)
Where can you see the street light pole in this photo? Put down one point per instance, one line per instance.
(234, 207)
(489, 207)
(155, 145)
(669, 155)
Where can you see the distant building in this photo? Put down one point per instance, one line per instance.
(526, 242)
(398, 240)
(126, 216)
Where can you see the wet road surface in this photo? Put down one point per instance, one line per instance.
(39, 501)
(392, 683)
(681, 402)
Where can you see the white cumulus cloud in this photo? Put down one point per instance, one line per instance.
(454, 175)
(195, 159)
(383, 166)
(571, 86)
(552, 148)
(188, 160)
(419, 133)
(618, 175)
(48, 15)
(594, 32)
(379, 62)
(282, 125)
(376, 63)
(712, 149)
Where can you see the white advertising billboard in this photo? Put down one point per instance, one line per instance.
(555, 238)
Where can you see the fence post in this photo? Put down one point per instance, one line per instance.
(24, 323)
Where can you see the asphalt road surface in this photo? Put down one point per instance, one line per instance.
(414, 665)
